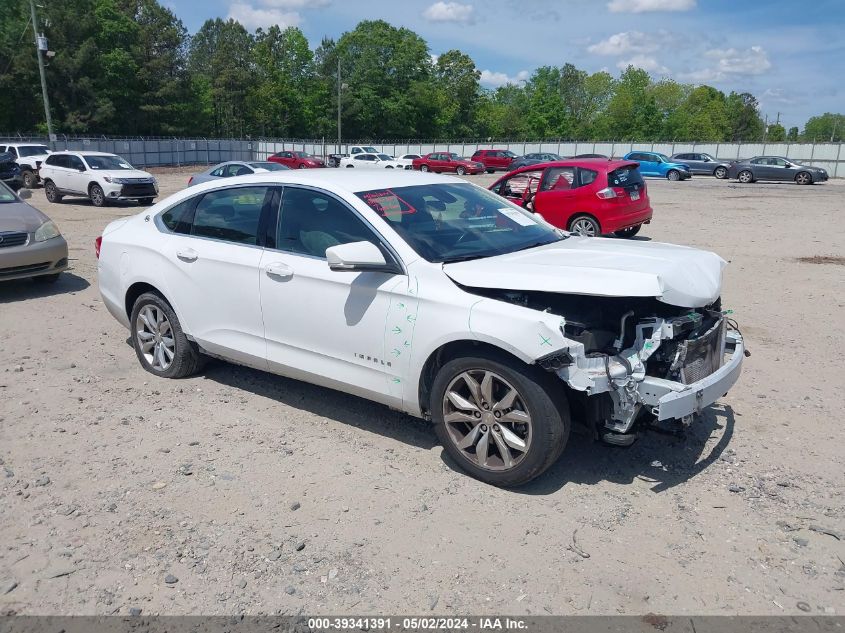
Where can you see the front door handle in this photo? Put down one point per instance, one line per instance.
(279, 270)
(188, 255)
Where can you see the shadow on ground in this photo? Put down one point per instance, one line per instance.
(24, 289)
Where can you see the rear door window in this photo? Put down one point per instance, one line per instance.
(231, 215)
(625, 177)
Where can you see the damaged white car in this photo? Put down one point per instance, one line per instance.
(430, 295)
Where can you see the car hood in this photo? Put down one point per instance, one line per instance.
(676, 275)
(122, 173)
(19, 216)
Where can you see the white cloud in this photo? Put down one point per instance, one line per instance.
(649, 64)
(495, 80)
(643, 6)
(626, 42)
(450, 12)
(253, 17)
(296, 4)
(752, 61)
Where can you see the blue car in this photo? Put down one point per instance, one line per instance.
(656, 164)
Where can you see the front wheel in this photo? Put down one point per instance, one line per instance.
(158, 339)
(52, 192)
(629, 232)
(496, 419)
(673, 175)
(721, 173)
(29, 179)
(584, 225)
(460, 171)
(302, 166)
(803, 178)
(98, 197)
(745, 176)
(423, 167)
(491, 171)
(350, 166)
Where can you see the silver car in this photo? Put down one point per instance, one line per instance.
(703, 164)
(234, 168)
(30, 242)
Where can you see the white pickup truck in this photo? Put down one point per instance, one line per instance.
(29, 157)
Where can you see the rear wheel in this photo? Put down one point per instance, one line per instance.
(629, 232)
(423, 167)
(745, 176)
(29, 179)
(584, 225)
(302, 165)
(803, 178)
(497, 420)
(721, 173)
(491, 171)
(161, 346)
(673, 175)
(98, 197)
(350, 166)
(52, 192)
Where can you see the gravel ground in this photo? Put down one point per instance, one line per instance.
(241, 492)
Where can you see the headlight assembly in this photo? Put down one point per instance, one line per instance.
(47, 231)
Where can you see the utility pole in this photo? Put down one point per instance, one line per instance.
(339, 89)
(38, 51)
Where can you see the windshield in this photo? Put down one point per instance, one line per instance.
(107, 162)
(663, 158)
(302, 155)
(370, 150)
(32, 150)
(6, 194)
(453, 222)
(454, 156)
(384, 157)
(509, 154)
(269, 166)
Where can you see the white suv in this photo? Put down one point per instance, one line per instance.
(29, 157)
(99, 176)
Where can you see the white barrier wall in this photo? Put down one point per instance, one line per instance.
(176, 152)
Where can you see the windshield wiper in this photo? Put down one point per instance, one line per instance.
(466, 258)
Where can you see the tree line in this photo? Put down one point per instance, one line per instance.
(130, 67)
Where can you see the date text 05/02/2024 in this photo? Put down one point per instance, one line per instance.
(417, 623)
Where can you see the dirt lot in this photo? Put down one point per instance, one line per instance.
(259, 494)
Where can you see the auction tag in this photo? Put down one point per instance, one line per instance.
(517, 216)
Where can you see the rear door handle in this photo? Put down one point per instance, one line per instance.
(188, 255)
(279, 270)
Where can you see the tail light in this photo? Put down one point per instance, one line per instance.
(608, 193)
(98, 243)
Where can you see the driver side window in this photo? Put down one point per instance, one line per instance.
(311, 221)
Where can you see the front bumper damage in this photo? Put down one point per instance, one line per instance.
(708, 365)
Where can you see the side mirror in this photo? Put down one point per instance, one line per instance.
(81, 168)
(357, 256)
(24, 194)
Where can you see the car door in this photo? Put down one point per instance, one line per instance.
(556, 198)
(76, 176)
(520, 187)
(321, 325)
(783, 169)
(214, 252)
(763, 169)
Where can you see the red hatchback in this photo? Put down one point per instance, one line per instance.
(297, 160)
(495, 159)
(439, 162)
(586, 196)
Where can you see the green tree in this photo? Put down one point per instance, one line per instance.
(744, 120)
(776, 133)
(792, 135)
(826, 127)
(456, 79)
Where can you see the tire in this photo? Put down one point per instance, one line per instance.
(51, 191)
(30, 180)
(97, 195)
(146, 201)
(350, 166)
(460, 171)
(721, 173)
(629, 232)
(673, 175)
(181, 356)
(745, 177)
(47, 279)
(540, 422)
(301, 166)
(423, 167)
(803, 178)
(491, 171)
(584, 225)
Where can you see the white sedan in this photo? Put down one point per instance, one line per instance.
(430, 295)
(407, 160)
(370, 161)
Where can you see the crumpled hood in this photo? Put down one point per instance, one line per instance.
(677, 275)
(19, 216)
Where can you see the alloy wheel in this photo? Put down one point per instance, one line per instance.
(583, 226)
(803, 179)
(487, 420)
(745, 176)
(721, 173)
(155, 337)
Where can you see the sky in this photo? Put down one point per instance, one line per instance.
(790, 54)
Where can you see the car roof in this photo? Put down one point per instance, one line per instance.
(18, 144)
(82, 152)
(587, 163)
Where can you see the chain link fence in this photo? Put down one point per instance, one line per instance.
(155, 152)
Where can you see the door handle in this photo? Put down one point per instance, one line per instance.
(279, 270)
(188, 255)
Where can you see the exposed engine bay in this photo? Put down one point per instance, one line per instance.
(628, 351)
